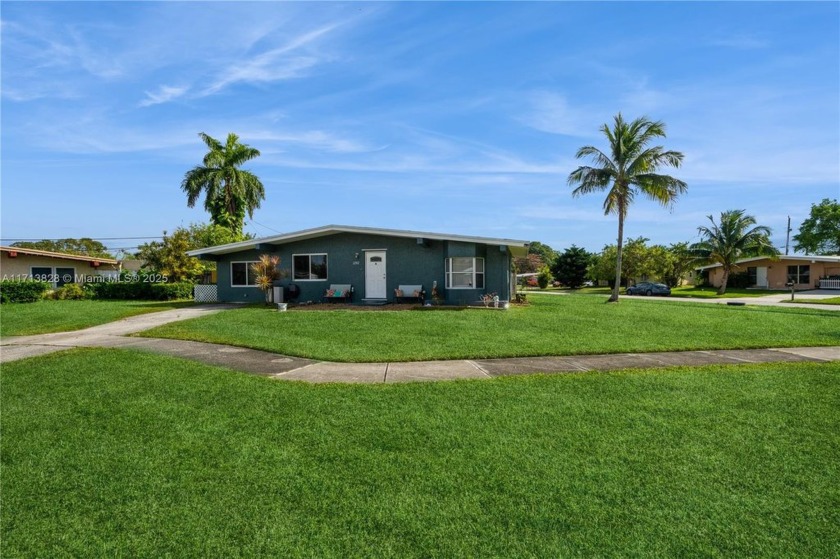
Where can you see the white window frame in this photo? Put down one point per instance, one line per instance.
(53, 275)
(248, 273)
(309, 255)
(474, 274)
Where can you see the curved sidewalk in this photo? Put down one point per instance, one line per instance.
(277, 366)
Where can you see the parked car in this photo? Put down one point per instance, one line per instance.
(649, 288)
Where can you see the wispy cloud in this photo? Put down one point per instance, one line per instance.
(315, 139)
(551, 112)
(164, 94)
(274, 64)
(740, 41)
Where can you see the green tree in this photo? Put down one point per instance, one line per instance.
(529, 264)
(548, 254)
(681, 262)
(628, 170)
(636, 263)
(203, 235)
(169, 257)
(602, 267)
(820, 233)
(736, 236)
(84, 246)
(659, 263)
(229, 191)
(672, 263)
(571, 266)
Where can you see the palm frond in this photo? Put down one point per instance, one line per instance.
(589, 179)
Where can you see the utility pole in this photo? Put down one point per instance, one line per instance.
(787, 239)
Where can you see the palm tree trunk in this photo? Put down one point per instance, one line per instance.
(614, 297)
(722, 289)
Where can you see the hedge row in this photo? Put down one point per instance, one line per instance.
(29, 291)
(141, 291)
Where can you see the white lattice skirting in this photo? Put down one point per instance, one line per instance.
(205, 294)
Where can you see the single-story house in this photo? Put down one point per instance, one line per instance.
(374, 262)
(805, 272)
(56, 268)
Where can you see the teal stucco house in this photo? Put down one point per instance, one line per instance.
(374, 262)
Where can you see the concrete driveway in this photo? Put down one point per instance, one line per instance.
(111, 334)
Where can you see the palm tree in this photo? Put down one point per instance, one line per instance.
(628, 170)
(735, 237)
(229, 190)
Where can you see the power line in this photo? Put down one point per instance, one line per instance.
(266, 226)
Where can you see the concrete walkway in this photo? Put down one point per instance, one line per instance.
(801, 299)
(292, 368)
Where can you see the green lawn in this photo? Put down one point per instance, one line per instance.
(42, 317)
(117, 453)
(829, 301)
(689, 291)
(550, 325)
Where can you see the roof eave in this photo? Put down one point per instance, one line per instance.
(515, 246)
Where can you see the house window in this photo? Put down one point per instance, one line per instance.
(309, 267)
(464, 273)
(799, 274)
(241, 274)
(752, 274)
(55, 276)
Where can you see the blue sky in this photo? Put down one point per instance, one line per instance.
(449, 117)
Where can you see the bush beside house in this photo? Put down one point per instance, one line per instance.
(22, 291)
(141, 291)
(29, 291)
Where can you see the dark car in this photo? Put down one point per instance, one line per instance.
(648, 288)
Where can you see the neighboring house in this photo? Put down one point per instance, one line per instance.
(805, 272)
(56, 268)
(374, 261)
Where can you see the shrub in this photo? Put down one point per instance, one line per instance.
(70, 291)
(141, 291)
(27, 291)
(544, 277)
(170, 291)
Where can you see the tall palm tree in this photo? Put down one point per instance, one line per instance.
(628, 170)
(229, 190)
(736, 236)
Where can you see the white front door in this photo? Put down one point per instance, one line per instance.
(761, 276)
(375, 275)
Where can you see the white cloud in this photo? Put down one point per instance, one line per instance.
(552, 112)
(274, 64)
(164, 94)
(740, 41)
